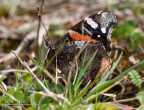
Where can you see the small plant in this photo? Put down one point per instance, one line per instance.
(137, 81)
(136, 78)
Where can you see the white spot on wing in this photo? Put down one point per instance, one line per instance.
(103, 29)
(98, 36)
(79, 44)
(91, 23)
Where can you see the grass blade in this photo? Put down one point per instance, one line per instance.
(109, 84)
(42, 68)
(81, 73)
(111, 70)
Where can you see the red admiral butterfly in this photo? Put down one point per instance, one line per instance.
(95, 29)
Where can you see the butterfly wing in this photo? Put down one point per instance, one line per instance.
(95, 28)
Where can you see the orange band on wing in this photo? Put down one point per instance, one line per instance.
(78, 37)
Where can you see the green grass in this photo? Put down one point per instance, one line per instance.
(29, 92)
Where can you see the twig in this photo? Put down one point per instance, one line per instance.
(42, 5)
(4, 72)
(39, 25)
(48, 92)
(30, 71)
(40, 10)
(24, 43)
(127, 100)
(40, 37)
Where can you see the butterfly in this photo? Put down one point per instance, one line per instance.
(96, 30)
